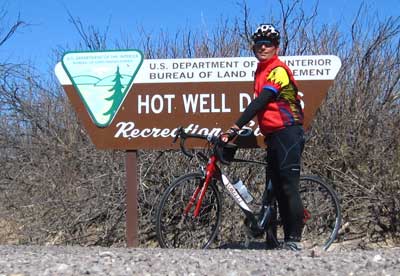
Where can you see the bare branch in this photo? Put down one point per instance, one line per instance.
(92, 38)
(15, 26)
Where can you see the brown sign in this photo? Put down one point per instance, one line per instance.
(203, 95)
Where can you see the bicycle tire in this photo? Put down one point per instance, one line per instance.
(173, 230)
(322, 203)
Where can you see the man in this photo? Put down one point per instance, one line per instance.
(280, 118)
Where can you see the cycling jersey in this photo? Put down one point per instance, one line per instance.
(284, 109)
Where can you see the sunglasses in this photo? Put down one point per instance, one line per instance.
(266, 43)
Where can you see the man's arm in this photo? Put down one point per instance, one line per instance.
(256, 105)
(277, 79)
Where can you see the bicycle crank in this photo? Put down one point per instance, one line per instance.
(252, 229)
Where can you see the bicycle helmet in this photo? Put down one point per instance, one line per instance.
(266, 32)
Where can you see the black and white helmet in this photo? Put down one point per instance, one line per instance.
(266, 32)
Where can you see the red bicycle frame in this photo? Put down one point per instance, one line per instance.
(211, 170)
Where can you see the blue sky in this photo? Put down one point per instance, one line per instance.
(49, 24)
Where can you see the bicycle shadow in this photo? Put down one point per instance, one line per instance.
(254, 245)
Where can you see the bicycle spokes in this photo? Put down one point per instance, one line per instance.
(176, 226)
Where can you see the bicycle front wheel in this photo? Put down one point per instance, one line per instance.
(174, 228)
(322, 212)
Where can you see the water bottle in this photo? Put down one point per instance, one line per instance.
(242, 190)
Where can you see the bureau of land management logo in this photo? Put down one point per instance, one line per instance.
(102, 80)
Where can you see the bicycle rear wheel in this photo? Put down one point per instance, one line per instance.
(176, 230)
(322, 215)
(322, 212)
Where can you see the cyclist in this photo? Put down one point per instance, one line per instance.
(280, 119)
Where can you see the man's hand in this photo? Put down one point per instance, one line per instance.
(229, 134)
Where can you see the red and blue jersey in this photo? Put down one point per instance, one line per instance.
(285, 109)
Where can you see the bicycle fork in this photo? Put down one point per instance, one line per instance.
(201, 189)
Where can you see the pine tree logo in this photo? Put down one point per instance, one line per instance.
(118, 94)
(102, 80)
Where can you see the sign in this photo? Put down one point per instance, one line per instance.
(129, 103)
(102, 80)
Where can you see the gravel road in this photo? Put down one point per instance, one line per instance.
(37, 260)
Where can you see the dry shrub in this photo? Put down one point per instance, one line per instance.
(356, 133)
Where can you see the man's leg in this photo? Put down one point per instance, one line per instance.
(289, 145)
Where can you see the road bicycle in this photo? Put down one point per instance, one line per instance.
(189, 212)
